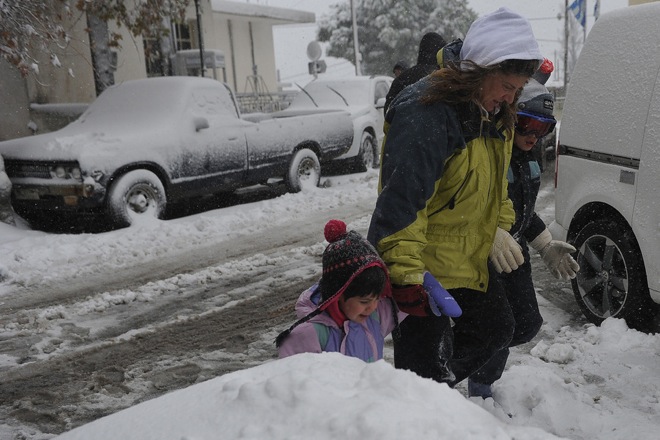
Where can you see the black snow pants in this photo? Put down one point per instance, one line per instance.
(520, 293)
(424, 345)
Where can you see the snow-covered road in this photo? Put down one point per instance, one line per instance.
(94, 323)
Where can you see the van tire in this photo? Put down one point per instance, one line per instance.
(611, 281)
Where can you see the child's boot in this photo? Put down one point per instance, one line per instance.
(476, 389)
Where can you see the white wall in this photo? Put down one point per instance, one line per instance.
(73, 82)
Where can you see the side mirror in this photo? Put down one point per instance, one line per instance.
(380, 103)
(200, 123)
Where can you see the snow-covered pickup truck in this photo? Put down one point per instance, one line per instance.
(144, 144)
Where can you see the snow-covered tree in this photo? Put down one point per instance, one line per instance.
(390, 30)
(31, 28)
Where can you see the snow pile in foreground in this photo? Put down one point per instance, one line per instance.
(584, 382)
(320, 396)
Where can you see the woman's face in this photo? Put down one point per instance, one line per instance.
(524, 142)
(498, 88)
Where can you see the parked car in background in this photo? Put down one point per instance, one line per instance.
(364, 98)
(608, 168)
(144, 144)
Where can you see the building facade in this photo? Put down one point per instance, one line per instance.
(237, 39)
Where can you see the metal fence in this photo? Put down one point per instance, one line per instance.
(264, 102)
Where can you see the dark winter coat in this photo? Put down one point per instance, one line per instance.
(429, 46)
(443, 191)
(524, 178)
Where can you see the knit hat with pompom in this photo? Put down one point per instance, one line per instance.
(543, 74)
(346, 256)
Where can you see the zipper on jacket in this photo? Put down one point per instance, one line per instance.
(452, 201)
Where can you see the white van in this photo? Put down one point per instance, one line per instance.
(607, 176)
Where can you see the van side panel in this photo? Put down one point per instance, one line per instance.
(646, 215)
(578, 189)
(609, 94)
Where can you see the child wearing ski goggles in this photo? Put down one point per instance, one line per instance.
(533, 124)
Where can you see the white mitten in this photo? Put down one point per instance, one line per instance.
(556, 255)
(506, 254)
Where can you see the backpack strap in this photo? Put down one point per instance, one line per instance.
(323, 332)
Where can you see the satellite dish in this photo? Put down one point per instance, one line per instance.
(314, 51)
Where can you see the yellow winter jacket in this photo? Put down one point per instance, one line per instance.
(442, 192)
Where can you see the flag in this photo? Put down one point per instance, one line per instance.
(578, 7)
(596, 10)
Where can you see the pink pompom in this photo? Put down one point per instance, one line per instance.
(334, 230)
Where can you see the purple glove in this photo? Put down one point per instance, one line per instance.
(440, 300)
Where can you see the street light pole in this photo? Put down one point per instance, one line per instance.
(565, 44)
(199, 37)
(356, 46)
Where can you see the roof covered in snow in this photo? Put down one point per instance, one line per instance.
(284, 15)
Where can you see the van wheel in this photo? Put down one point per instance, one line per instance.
(612, 279)
(135, 195)
(304, 171)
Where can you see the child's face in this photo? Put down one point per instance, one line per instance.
(524, 142)
(358, 308)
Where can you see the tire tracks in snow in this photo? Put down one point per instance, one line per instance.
(208, 316)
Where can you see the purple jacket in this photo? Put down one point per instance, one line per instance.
(321, 333)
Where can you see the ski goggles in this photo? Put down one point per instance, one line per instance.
(537, 125)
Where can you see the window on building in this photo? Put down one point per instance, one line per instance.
(182, 36)
(155, 60)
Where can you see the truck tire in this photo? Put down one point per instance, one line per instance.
(137, 194)
(304, 171)
(612, 279)
(366, 158)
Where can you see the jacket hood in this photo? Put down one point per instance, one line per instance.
(499, 36)
(429, 46)
(308, 302)
(401, 64)
(450, 53)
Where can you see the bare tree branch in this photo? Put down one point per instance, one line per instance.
(29, 27)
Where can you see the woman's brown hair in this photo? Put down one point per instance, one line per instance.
(461, 82)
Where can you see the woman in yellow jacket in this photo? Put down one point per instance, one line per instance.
(443, 206)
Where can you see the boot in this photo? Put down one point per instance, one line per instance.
(476, 389)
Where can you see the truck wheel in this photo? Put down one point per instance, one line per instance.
(304, 171)
(612, 279)
(366, 159)
(137, 194)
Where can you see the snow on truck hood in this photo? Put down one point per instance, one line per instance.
(132, 117)
(89, 147)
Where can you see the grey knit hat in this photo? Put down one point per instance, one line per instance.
(535, 98)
